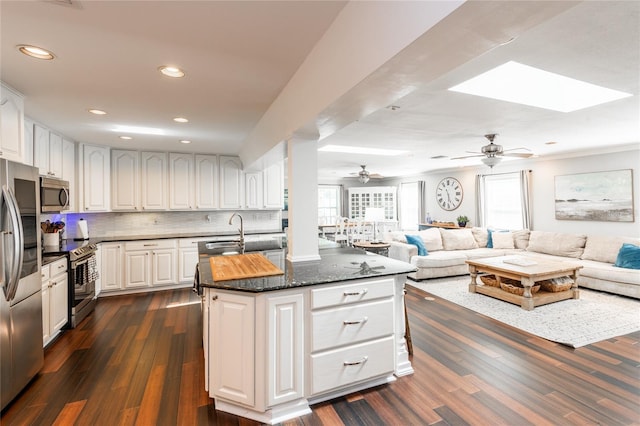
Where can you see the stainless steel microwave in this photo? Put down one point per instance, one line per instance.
(54, 195)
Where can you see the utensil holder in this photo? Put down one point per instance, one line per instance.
(51, 239)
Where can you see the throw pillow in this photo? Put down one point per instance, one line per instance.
(558, 244)
(481, 236)
(503, 240)
(490, 233)
(458, 239)
(628, 257)
(431, 238)
(417, 241)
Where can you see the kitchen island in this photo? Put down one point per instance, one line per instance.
(274, 345)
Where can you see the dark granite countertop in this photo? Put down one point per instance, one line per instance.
(336, 264)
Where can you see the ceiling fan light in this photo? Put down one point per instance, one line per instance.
(363, 178)
(491, 161)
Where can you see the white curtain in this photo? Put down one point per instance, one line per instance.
(480, 200)
(525, 197)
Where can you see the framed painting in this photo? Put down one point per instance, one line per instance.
(598, 196)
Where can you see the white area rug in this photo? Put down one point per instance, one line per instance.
(594, 317)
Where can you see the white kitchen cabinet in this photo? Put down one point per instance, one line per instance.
(231, 196)
(150, 263)
(69, 171)
(28, 141)
(11, 124)
(253, 190)
(187, 258)
(95, 180)
(125, 184)
(207, 182)
(47, 152)
(154, 181)
(273, 195)
(55, 297)
(181, 181)
(111, 266)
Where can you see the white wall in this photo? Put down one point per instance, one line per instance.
(543, 189)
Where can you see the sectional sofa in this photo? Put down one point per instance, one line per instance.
(448, 249)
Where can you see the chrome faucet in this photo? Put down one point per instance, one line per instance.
(241, 229)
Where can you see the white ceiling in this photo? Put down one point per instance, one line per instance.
(238, 56)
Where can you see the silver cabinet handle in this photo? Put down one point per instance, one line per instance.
(353, 322)
(150, 245)
(358, 362)
(356, 293)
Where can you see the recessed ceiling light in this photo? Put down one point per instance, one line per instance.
(180, 120)
(126, 138)
(97, 111)
(185, 141)
(526, 85)
(360, 150)
(170, 71)
(35, 52)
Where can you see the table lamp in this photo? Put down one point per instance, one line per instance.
(374, 214)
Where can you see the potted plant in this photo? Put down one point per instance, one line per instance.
(462, 221)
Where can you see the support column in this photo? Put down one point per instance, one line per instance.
(302, 235)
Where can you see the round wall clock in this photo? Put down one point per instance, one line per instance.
(449, 193)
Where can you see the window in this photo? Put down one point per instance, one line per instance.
(409, 206)
(502, 200)
(329, 205)
(374, 196)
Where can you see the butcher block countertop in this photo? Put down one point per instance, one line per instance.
(242, 266)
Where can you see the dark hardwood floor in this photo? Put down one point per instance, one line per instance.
(138, 360)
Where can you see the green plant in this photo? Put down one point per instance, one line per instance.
(462, 219)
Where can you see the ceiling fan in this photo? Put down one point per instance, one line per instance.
(492, 153)
(364, 175)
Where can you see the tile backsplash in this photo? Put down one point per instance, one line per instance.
(126, 224)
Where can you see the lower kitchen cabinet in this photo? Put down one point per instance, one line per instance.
(111, 266)
(150, 263)
(55, 299)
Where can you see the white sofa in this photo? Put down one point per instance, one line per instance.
(449, 249)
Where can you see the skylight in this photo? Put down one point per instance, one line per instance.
(522, 84)
(138, 130)
(360, 150)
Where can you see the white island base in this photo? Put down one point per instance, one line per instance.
(269, 355)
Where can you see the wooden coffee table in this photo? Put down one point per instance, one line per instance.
(527, 275)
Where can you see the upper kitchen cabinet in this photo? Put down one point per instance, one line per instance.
(253, 190)
(28, 141)
(69, 171)
(153, 177)
(11, 124)
(207, 181)
(273, 196)
(125, 182)
(181, 181)
(231, 183)
(47, 152)
(95, 179)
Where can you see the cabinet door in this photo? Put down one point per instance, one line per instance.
(274, 187)
(96, 174)
(230, 183)
(124, 180)
(253, 190)
(41, 149)
(11, 125)
(55, 155)
(46, 314)
(188, 259)
(232, 347)
(111, 267)
(285, 352)
(207, 181)
(181, 181)
(164, 267)
(153, 168)
(137, 269)
(69, 171)
(59, 302)
(28, 142)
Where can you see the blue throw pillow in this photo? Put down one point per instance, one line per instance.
(417, 241)
(628, 257)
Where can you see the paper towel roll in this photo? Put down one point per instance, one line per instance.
(82, 230)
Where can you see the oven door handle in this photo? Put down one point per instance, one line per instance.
(76, 263)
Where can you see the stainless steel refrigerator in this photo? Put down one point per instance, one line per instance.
(21, 353)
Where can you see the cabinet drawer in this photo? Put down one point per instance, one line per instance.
(350, 293)
(58, 267)
(149, 244)
(191, 242)
(352, 364)
(44, 272)
(351, 324)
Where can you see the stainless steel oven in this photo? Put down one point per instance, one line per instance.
(82, 282)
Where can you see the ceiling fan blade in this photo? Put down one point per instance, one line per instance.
(517, 149)
(376, 176)
(518, 154)
(467, 156)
